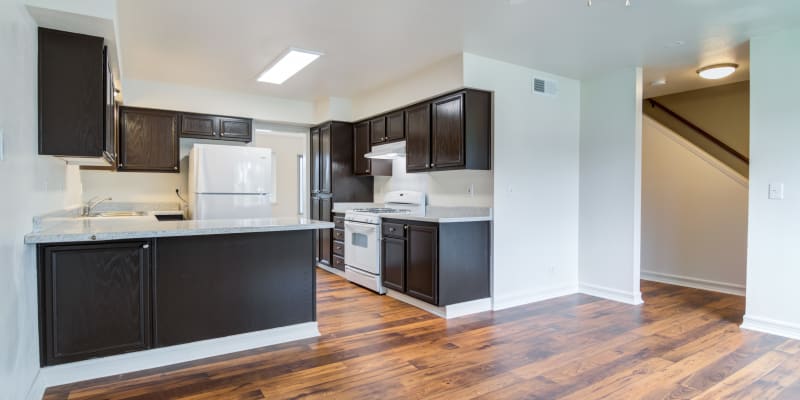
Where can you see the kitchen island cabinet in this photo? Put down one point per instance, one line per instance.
(112, 286)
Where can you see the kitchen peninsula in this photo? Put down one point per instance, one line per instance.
(109, 286)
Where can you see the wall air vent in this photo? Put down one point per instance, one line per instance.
(545, 87)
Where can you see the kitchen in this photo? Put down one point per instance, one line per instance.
(348, 199)
(155, 243)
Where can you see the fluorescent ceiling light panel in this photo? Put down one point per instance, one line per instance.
(287, 65)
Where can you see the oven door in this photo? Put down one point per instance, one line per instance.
(362, 248)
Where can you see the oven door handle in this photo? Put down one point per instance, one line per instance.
(356, 226)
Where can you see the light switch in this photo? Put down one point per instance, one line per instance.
(776, 191)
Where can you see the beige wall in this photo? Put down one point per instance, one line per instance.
(723, 111)
(285, 148)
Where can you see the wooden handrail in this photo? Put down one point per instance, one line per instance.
(701, 131)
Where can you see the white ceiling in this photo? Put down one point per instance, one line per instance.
(226, 44)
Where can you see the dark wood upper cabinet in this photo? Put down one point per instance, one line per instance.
(94, 300)
(325, 159)
(447, 132)
(361, 133)
(75, 96)
(148, 140)
(199, 126)
(377, 130)
(239, 129)
(418, 137)
(395, 127)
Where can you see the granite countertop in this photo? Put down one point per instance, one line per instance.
(67, 226)
(432, 213)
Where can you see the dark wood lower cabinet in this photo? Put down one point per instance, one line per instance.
(422, 262)
(94, 300)
(394, 263)
(213, 286)
(108, 298)
(441, 264)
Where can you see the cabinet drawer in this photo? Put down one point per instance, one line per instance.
(338, 262)
(338, 222)
(393, 229)
(338, 234)
(338, 248)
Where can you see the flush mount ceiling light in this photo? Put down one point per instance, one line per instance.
(717, 71)
(288, 64)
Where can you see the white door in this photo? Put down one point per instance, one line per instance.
(232, 169)
(362, 247)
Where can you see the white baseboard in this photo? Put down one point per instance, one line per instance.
(611, 294)
(696, 283)
(331, 270)
(771, 326)
(522, 298)
(141, 360)
(446, 312)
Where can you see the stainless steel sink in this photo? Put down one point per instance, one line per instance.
(114, 214)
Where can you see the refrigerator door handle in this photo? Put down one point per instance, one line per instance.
(301, 184)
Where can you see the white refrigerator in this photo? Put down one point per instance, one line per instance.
(228, 182)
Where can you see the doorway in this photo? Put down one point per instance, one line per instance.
(289, 155)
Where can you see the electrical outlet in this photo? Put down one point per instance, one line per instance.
(471, 190)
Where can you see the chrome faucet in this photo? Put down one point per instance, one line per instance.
(91, 204)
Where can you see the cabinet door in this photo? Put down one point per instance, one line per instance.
(418, 138)
(394, 263)
(315, 215)
(325, 235)
(362, 146)
(71, 96)
(110, 113)
(199, 126)
(148, 140)
(377, 130)
(94, 300)
(239, 129)
(325, 159)
(422, 262)
(448, 132)
(395, 126)
(315, 161)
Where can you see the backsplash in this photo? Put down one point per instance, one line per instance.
(445, 188)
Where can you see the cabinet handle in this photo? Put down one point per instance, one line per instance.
(433, 165)
(145, 246)
(367, 170)
(222, 134)
(120, 164)
(175, 168)
(405, 227)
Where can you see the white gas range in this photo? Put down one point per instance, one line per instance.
(362, 230)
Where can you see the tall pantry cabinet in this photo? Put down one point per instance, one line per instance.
(332, 180)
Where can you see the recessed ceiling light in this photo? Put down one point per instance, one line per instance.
(717, 71)
(290, 63)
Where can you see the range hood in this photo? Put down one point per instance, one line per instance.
(388, 151)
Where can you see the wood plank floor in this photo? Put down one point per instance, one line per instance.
(682, 344)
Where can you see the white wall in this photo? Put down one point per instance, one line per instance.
(694, 215)
(610, 185)
(446, 188)
(32, 185)
(535, 238)
(285, 148)
(441, 77)
(188, 98)
(773, 236)
(333, 109)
